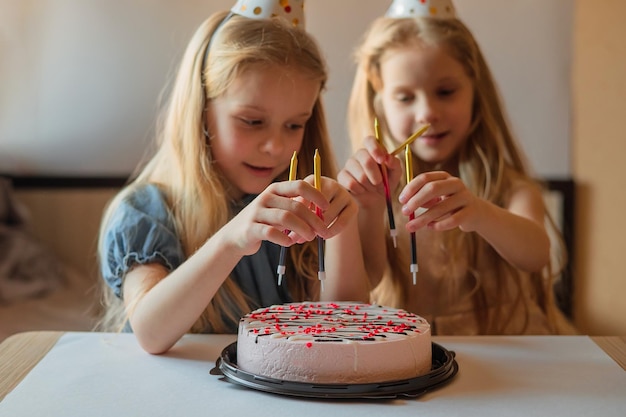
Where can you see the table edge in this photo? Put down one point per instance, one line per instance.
(26, 349)
(23, 351)
(614, 346)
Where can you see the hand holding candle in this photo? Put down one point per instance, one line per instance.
(317, 170)
(409, 177)
(383, 171)
(292, 176)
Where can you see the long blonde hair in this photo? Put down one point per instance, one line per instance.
(490, 163)
(183, 167)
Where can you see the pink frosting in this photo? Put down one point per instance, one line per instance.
(334, 342)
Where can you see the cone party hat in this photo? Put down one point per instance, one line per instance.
(438, 9)
(290, 10)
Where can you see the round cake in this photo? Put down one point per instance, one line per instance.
(334, 343)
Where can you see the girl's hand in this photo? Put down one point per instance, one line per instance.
(362, 174)
(342, 208)
(281, 206)
(447, 201)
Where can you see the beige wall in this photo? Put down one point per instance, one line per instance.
(599, 149)
(599, 152)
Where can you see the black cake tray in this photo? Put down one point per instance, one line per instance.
(444, 368)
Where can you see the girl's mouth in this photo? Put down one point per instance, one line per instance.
(432, 138)
(259, 171)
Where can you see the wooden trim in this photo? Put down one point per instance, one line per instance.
(564, 289)
(47, 182)
(567, 188)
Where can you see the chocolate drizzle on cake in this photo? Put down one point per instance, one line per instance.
(331, 322)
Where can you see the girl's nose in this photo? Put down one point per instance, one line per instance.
(274, 143)
(426, 112)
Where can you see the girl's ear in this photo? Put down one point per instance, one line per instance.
(377, 104)
(375, 82)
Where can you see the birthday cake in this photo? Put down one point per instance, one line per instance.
(334, 343)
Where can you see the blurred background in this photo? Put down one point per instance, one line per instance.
(81, 79)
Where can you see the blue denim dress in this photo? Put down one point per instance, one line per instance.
(141, 231)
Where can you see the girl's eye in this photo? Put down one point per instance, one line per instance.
(445, 92)
(252, 122)
(404, 98)
(295, 126)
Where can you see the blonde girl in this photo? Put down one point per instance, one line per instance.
(482, 230)
(192, 243)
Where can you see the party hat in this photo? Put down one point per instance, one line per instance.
(290, 10)
(438, 9)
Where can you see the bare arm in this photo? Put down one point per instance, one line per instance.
(162, 307)
(516, 232)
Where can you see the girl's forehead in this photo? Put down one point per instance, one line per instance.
(416, 48)
(262, 73)
(419, 58)
(423, 67)
(273, 88)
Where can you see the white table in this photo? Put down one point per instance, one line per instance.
(99, 374)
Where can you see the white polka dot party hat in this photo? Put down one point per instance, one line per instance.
(290, 10)
(438, 9)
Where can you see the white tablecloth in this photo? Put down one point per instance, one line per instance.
(95, 374)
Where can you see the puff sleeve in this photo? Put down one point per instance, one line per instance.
(140, 231)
